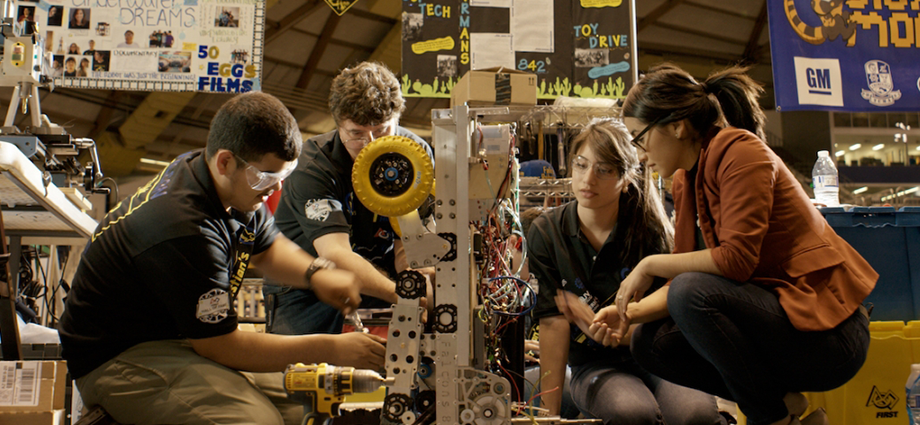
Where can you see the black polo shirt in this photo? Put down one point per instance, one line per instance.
(158, 267)
(319, 199)
(560, 257)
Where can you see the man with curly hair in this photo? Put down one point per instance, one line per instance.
(319, 211)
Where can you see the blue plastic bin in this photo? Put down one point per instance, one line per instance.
(890, 241)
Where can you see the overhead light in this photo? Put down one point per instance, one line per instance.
(901, 193)
(879, 146)
(840, 153)
(860, 190)
(918, 148)
(856, 146)
(154, 162)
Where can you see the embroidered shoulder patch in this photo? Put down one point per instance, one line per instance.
(319, 209)
(213, 306)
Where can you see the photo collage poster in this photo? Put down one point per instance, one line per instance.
(150, 45)
(577, 48)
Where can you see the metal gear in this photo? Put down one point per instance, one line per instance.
(424, 400)
(441, 312)
(410, 284)
(394, 405)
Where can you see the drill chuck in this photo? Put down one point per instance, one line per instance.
(368, 381)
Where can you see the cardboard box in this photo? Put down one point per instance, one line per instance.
(40, 352)
(55, 417)
(495, 86)
(32, 386)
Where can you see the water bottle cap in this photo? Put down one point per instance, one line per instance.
(915, 367)
(822, 154)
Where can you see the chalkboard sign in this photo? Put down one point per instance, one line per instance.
(577, 48)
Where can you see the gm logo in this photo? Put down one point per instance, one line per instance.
(818, 81)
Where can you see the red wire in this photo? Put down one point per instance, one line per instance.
(508, 374)
(539, 394)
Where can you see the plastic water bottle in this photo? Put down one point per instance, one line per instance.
(824, 176)
(912, 389)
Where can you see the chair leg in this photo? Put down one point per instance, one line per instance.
(96, 416)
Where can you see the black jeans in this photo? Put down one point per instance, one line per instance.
(622, 393)
(734, 340)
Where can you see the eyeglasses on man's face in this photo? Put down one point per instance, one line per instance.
(602, 171)
(355, 135)
(261, 180)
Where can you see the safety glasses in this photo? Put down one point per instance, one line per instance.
(602, 171)
(261, 180)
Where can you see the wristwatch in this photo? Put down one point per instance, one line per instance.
(318, 264)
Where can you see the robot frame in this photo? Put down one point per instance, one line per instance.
(458, 372)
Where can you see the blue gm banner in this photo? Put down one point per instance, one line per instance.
(853, 55)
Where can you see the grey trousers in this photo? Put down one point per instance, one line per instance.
(167, 382)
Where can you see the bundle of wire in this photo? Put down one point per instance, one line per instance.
(504, 296)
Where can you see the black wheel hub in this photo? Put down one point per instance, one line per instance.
(391, 174)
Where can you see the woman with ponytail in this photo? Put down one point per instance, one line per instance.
(764, 300)
(579, 253)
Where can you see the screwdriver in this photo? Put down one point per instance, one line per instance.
(355, 320)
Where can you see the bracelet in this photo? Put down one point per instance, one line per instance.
(318, 264)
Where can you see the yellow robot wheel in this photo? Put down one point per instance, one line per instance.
(392, 176)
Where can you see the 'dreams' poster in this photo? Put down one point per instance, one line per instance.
(163, 45)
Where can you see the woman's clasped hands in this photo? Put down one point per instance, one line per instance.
(610, 326)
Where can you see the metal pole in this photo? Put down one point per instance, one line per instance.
(8, 323)
(14, 103)
(35, 102)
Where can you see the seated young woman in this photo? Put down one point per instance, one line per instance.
(580, 252)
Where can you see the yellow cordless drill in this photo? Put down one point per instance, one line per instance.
(322, 388)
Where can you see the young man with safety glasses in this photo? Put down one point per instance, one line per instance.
(319, 211)
(149, 329)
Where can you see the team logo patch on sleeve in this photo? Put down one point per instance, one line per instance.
(213, 306)
(319, 209)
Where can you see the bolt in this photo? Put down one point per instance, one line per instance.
(452, 215)
(438, 215)
(453, 202)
